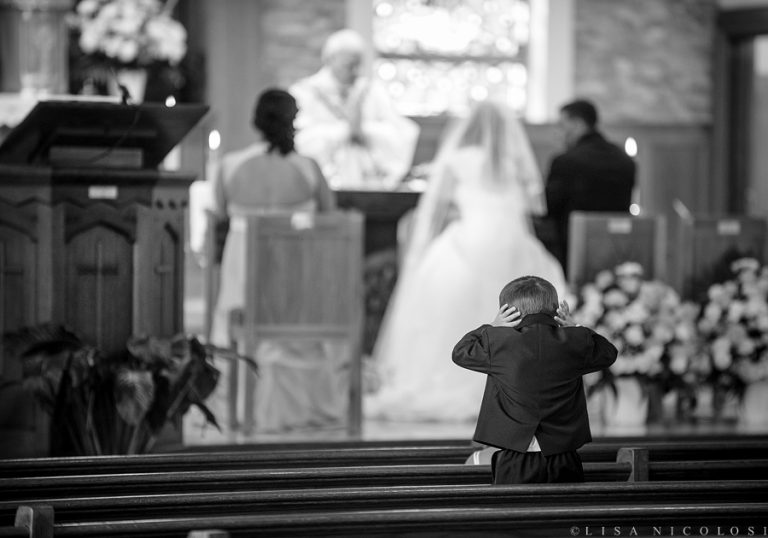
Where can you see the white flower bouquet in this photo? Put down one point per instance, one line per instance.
(129, 33)
(734, 326)
(653, 330)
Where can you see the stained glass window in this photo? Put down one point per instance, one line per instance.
(435, 56)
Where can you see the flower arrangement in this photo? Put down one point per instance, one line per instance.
(734, 326)
(129, 33)
(660, 357)
(653, 331)
(112, 403)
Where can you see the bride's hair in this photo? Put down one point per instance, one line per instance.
(485, 128)
(508, 161)
(495, 129)
(530, 295)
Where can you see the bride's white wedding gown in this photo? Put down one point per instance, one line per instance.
(452, 289)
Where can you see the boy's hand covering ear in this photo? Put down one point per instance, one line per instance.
(563, 316)
(507, 316)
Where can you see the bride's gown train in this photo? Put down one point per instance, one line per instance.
(452, 289)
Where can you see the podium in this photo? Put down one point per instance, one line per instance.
(91, 231)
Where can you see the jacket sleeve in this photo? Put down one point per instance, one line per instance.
(473, 350)
(557, 187)
(601, 353)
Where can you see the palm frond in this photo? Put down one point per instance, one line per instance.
(134, 392)
(209, 416)
(46, 338)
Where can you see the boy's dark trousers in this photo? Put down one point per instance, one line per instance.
(513, 467)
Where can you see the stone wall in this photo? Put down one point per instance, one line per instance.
(643, 61)
(646, 61)
(293, 35)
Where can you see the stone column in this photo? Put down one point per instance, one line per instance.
(34, 46)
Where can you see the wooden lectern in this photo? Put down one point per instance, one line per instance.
(91, 231)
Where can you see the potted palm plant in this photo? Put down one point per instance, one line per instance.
(113, 403)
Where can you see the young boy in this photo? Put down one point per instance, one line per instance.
(533, 408)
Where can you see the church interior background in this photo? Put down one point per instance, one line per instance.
(682, 85)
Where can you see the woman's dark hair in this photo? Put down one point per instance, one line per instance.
(273, 115)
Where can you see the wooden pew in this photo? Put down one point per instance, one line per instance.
(690, 450)
(109, 507)
(14, 489)
(325, 457)
(31, 521)
(39, 488)
(393, 497)
(560, 520)
(755, 447)
(375, 497)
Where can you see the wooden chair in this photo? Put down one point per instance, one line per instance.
(705, 245)
(600, 241)
(305, 286)
(213, 244)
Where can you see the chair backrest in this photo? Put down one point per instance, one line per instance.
(600, 241)
(211, 259)
(304, 273)
(705, 245)
(305, 281)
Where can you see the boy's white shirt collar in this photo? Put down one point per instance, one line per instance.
(533, 446)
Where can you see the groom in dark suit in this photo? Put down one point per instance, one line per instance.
(593, 174)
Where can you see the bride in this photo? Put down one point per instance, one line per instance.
(454, 268)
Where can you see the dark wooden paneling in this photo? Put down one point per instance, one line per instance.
(732, 77)
(673, 160)
(99, 274)
(107, 267)
(18, 274)
(158, 308)
(17, 283)
(23, 427)
(744, 22)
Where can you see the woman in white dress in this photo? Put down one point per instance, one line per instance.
(454, 269)
(267, 177)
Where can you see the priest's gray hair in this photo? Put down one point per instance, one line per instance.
(343, 41)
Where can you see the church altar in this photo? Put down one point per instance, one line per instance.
(382, 210)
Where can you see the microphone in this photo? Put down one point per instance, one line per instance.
(125, 95)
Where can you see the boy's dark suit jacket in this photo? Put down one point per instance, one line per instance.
(593, 175)
(534, 382)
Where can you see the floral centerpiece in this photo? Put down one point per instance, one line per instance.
(115, 35)
(734, 325)
(653, 331)
(112, 403)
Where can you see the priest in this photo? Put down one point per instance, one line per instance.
(347, 122)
